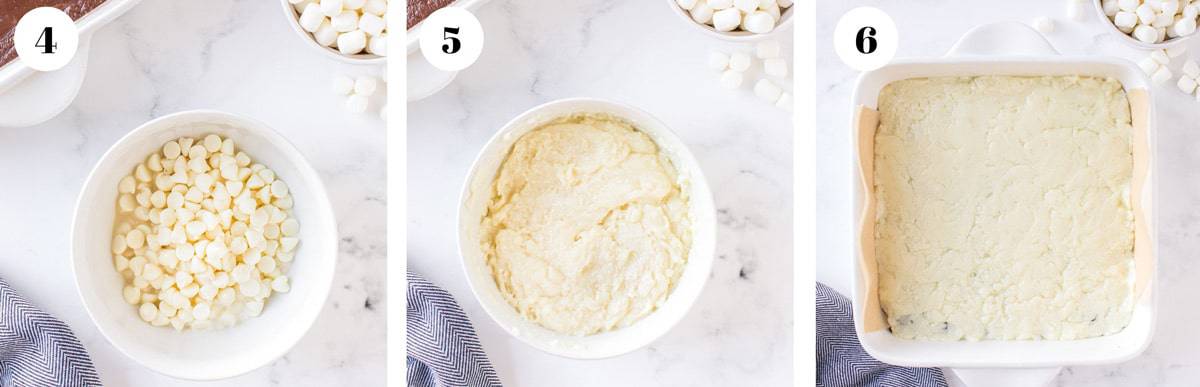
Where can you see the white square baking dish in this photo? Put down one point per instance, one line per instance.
(1005, 49)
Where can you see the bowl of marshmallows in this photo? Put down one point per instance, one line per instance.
(353, 31)
(1150, 24)
(736, 20)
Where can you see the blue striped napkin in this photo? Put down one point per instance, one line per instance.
(443, 350)
(38, 350)
(841, 360)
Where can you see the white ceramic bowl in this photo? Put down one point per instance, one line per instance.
(211, 354)
(293, 17)
(477, 192)
(785, 22)
(1112, 28)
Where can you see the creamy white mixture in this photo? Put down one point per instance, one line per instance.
(587, 230)
(1003, 207)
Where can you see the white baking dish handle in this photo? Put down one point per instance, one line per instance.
(42, 95)
(991, 40)
(1006, 377)
(1007, 39)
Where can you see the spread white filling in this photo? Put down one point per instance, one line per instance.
(587, 230)
(1003, 207)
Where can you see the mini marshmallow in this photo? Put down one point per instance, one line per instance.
(1184, 27)
(377, 44)
(1191, 68)
(1169, 7)
(1191, 11)
(1043, 24)
(353, 4)
(1128, 5)
(784, 3)
(311, 18)
(1149, 65)
(1161, 76)
(776, 67)
(767, 90)
(1125, 20)
(718, 61)
(376, 7)
(702, 13)
(345, 22)
(720, 4)
(352, 42)
(356, 103)
(1110, 7)
(759, 22)
(1186, 84)
(1176, 51)
(686, 4)
(300, 5)
(331, 8)
(739, 61)
(727, 19)
(784, 102)
(1161, 57)
(365, 86)
(1162, 34)
(326, 35)
(746, 6)
(774, 11)
(371, 24)
(767, 49)
(1163, 20)
(1146, 34)
(731, 79)
(342, 85)
(1145, 14)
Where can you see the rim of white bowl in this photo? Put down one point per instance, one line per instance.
(1112, 28)
(783, 24)
(289, 13)
(696, 175)
(320, 196)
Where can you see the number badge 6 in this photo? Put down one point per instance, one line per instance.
(451, 39)
(865, 38)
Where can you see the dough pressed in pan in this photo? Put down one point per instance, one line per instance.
(587, 229)
(1003, 208)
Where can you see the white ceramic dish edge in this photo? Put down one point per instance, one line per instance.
(476, 192)
(1007, 48)
(216, 354)
(28, 97)
(413, 37)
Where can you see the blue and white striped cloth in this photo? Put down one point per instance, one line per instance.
(443, 350)
(841, 360)
(37, 349)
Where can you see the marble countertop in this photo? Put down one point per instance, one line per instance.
(927, 29)
(237, 56)
(638, 52)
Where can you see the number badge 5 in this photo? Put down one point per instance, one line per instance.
(451, 39)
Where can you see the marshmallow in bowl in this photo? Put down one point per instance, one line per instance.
(1153, 21)
(755, 16)
(207, 236)
(352, 27)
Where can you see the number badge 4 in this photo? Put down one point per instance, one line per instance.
(46, 39)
